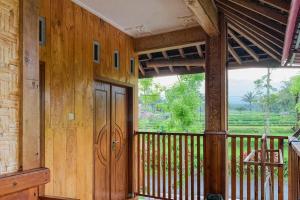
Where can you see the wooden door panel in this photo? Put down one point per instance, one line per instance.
(119, 149)
(102, 142)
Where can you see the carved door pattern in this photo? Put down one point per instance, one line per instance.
(111, 145)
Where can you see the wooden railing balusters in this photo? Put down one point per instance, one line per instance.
(256, 170)
(272, 168)
(138, 162)
(233, 168)
(280, 173)
(148, 164)
(158, 165)
(192, 166)
(186, 161)
(180, 168)
(164, 166)
(198, 168)
(143, 164)
(241, 167)
(173, 163)
(248, 170)
(169, 168)
(175, 166)
(153, 165)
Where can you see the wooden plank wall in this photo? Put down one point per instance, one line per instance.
(70, 75)
(9, 85)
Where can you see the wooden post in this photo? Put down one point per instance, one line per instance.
(215, 147)
(30, 105)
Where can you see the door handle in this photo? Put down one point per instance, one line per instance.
(114, 143)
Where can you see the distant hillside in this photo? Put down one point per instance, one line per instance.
(238, 88)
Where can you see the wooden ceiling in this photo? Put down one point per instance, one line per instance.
(256, 30)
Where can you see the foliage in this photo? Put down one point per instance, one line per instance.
(249, 98)
(183, 101)
(149, 93)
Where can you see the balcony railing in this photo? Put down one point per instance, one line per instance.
(294, 167)
(170, 166)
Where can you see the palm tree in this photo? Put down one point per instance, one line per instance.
(249, 98)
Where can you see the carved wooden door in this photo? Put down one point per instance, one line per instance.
(111, 145)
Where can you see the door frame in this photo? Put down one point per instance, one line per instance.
(130, 88)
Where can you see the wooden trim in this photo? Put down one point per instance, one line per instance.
(55, 198)
(294, 14)
(171, 40)
(206, 14)
(16, 182)
(30, 93)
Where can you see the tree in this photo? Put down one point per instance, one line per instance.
(150, 92)
(263, 89)
(249, 98)
(295, 90)
(183, 101)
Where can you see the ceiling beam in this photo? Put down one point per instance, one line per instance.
(176, 62)
(275, 26)
(234, 54)
(255, 40)
(171, 40)
(206, 14)
(181, 52)
(177, 71)
(270, 62)
(199, 50)
(243, 45)
(279, 4)
(262, 10)
(141, 69)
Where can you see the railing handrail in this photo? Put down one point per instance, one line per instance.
(168, 133)
(257, 136)
(202, 134)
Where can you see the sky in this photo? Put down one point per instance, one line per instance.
(241, 81)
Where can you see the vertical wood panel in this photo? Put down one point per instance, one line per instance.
(70, 74)
(9, 86)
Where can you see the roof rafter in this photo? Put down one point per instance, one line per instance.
(245, 47)
(234, 54)
(262, 38)
(262, 10)
(276, 38)
(255, 40)
(275, 26)
(279, 4)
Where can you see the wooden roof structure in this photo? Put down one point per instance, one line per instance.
(256, 34)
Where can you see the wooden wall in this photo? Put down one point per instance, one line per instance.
(70, 75)
(9, 85)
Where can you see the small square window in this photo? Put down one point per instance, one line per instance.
(42, 31)
(132, 66)
(116, 59)
(96, 52)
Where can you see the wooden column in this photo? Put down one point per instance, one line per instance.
(30, 104)
(215, 144)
